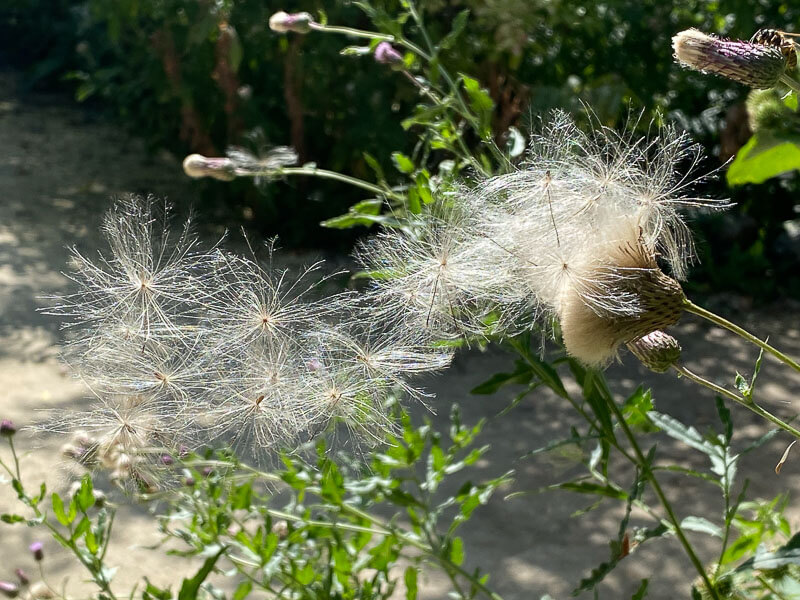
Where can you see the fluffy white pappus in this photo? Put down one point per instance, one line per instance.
(254, 302)
(257, 400)
(151, 280)
(435, 276)
(617, 295)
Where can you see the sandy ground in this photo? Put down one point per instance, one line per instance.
(58, 168)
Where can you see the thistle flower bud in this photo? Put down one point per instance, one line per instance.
(756, 65)
(197, 165)
(22, 576)
(9, 589)
(283, 22)
(657, 350)
(387, 55)
(7, 428)
(37, 549)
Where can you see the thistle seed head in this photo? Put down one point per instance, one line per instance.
(756, 65)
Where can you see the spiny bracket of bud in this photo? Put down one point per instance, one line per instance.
(657, 350)
(283, 22)
(197, 165)
(386, 54)
(756, 65)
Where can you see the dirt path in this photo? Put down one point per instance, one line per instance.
(58, 169)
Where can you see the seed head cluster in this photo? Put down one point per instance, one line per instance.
(182, 345)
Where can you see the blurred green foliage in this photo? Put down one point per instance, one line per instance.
(198, 76)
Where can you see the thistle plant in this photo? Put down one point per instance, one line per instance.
(582, 242)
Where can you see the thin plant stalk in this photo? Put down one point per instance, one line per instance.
(749, 404)
(648, 473)
(693, 308)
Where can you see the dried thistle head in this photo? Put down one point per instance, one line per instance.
(756, 65)
(619, 295)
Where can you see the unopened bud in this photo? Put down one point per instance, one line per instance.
(22, 576)
(657, 350)
(7, 428)
(283, 22)
(197, 165)
(756, 65)
(387, 55)
(37, 549)
(9, 589)
(167, 460)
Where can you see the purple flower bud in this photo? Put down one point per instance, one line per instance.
(183, 451)
(314, 365)
(207, 471)
(189, 481)
(387, 55)
(7, 428)
(22, 576)
(167, 460)
(756, 65)
(282, 22)
(8, 589)
(37, 549)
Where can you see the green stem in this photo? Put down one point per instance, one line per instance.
(325, 174)
(370, 35)
(790, 82)
(647, 471)
(749, 404)
(693, 308)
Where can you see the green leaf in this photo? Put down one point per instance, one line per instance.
(459, 23)
(587, 487)
(58, 510)
(11, 519)
(410, 578)
(790, 100)
(521, 375)
(191, 587)
(641, 593)
(764, 156)
(402, 163)
(364, 213)
(457, 550)
(789, 554)
(701, 525)
(85, 495)
(636, 408)
(243, 590)
(480, 102)
(725, 417)
(374, 165)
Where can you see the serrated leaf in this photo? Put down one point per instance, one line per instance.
(788, 554)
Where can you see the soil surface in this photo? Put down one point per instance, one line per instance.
(59, 167)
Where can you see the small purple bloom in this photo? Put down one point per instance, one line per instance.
(189, 481)
(37, 549)
(22, 576)
(283, 22)
(387, 55)
(8, 589)
(7, 428)
(167, 460)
